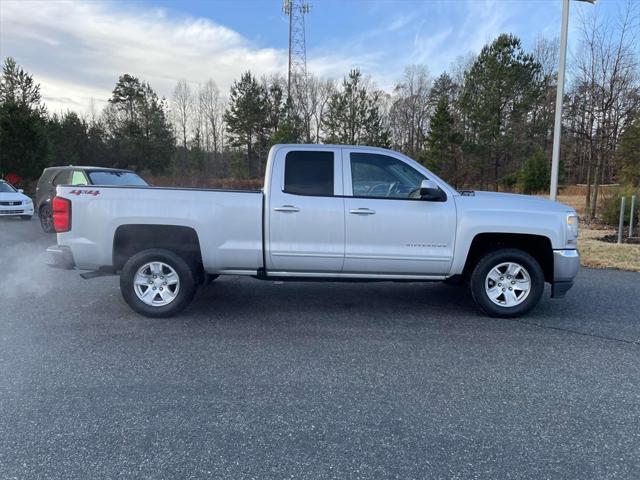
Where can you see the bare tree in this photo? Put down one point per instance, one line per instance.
(309, 100)
(304, 102)
(182, 107)
(546, 53)
(212, 107)
(606, 77)
(411, 108)
(326, 88)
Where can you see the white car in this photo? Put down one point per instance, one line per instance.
(14, 203)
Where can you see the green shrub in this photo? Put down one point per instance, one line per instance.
(628, 154)
(430, 161)
(238, 166)
(535, 173)
(509, 182)
(611, 206)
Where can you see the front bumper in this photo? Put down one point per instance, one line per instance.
(18, 210)
(566, 264)
(60, 257)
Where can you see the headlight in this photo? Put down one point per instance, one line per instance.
(28, 201)
(572, 229)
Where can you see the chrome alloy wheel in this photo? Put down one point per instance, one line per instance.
(508, 284)
(156, 284)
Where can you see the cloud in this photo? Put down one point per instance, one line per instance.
(435, 33)
(78, 50)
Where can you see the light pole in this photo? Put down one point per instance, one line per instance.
(557, 125)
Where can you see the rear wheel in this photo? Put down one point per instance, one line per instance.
(46, 219)
(507, 283)
(157, 283)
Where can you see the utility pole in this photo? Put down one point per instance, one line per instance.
(296, 10)
(557, 126)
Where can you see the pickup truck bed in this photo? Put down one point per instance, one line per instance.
(228, 222)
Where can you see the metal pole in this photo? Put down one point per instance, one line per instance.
(290, 6)
(557, 126)
(633, 208)
(621, 222)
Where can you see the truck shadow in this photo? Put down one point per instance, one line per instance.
(587, 309)
(247, 298)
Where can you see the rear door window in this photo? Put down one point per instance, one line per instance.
(309, 173)
(78, 178)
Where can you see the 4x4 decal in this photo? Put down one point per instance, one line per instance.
(85, 192)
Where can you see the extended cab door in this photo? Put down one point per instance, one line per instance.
(305, 211)
(389, 229)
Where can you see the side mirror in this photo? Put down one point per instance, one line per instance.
(20, 190)
(430, 191)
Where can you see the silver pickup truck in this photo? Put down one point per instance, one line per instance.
(329, 212)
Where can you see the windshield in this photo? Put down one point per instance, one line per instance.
(6, 188)
(115, 178)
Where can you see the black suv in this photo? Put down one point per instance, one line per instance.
(53, 176)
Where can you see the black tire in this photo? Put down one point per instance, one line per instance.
(187, 283)
(495, 258)
(25, 217)
(46, 219)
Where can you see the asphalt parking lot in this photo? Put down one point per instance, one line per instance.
(261, 380)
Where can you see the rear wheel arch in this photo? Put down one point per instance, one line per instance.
(538, 246)
(131, 239)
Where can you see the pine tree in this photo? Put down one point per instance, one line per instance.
(443, 142)
(499, 91)
(535, 174)
(354, 115)
(140, 134)
(18, 87)
(247, 114)
(628, 154)
(69, 139)
(24, 145)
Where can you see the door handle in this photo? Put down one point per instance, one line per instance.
(362, 211)
(287, 209)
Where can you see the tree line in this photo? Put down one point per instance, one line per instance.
(486, 123)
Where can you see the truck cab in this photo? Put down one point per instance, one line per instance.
(355, 212)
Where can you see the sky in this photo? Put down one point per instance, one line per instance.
(77, 50)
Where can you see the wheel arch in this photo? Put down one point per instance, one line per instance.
(538, 246)
(130, 239)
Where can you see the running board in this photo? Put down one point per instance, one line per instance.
(351, 277)
(95, 274)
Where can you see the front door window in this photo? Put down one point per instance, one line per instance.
(381, 176)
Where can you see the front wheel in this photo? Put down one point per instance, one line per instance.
(507, 283)
(157, 283)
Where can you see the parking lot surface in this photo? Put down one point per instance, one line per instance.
(270, 380)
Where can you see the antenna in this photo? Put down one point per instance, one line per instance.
(296, 9)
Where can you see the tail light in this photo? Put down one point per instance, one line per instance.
(61, 214)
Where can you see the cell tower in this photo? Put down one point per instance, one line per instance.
(296, 10)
